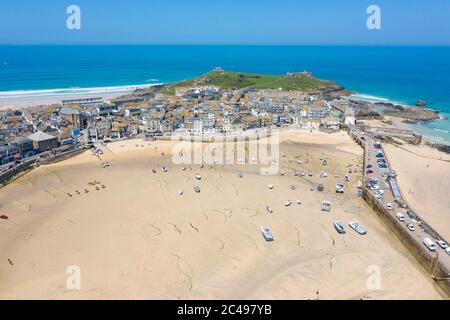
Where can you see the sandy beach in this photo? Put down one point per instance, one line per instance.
(135, 237)
(423, 178)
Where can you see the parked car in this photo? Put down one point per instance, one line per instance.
(369, 171)
(429, 244)
(410, 226)
(410, 214)
(442, 244)
(389, 206)
(400, 217)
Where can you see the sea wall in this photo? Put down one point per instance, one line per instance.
(16, 171)
(430, 261)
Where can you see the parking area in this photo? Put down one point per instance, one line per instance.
(380, 181)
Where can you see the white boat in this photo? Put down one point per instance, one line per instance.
(339, 188)
(339, 227)
(269, 209)
(299, 202)
(326, 206)
(164, 169)
(270, 186)
(180, 192)
(266, 234)
(347, 178)
(288, 203)
(198, 177)
(197, 189)
(359, 229)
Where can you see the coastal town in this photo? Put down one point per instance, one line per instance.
(202, 108)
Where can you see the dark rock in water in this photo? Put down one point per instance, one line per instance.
(421, 103)
(441, 147)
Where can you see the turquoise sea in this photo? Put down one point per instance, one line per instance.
(395, 73)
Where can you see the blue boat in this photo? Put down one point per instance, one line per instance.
(266, 234)
(339, 227)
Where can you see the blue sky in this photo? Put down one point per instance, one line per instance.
(404, 22)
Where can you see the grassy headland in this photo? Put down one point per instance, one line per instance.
(240, 80)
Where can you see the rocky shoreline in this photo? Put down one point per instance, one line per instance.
(410, 115)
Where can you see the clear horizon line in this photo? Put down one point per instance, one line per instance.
(239, 44)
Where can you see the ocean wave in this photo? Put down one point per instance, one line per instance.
(71, 91)
(440, 130)
(374, 99)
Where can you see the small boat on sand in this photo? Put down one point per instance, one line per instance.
(288, 203)
(197, 189)
(326, 206)
(269, 209)
(198, 177)
(270, 186)
(180, 192)
(266, 234)
(359, 229)
(339, 227)
(164, 169)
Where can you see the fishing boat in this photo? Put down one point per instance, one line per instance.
(270, 186)
(269, 209)
(266, 234)
(288, 203)
(180, 192)
(198, 177)
(326, 206)
(164, 169)
(339, 227)
(197, 189)
(359, 229)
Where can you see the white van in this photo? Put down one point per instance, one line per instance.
(429, 244)
(400, 216)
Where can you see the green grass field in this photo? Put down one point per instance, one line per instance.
(238, 80)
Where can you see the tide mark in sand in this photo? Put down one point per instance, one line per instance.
(162, 184)
(331, 260)
(298, 238)
(176, 228)
(224, 214)
(256, 212)
(251, 240)
(26, 205)
(235, 189)
(57, 175)
(332, 239)
(222, 244)
(183, 272)
(158, 230)
(50, 193)
(194, 227)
